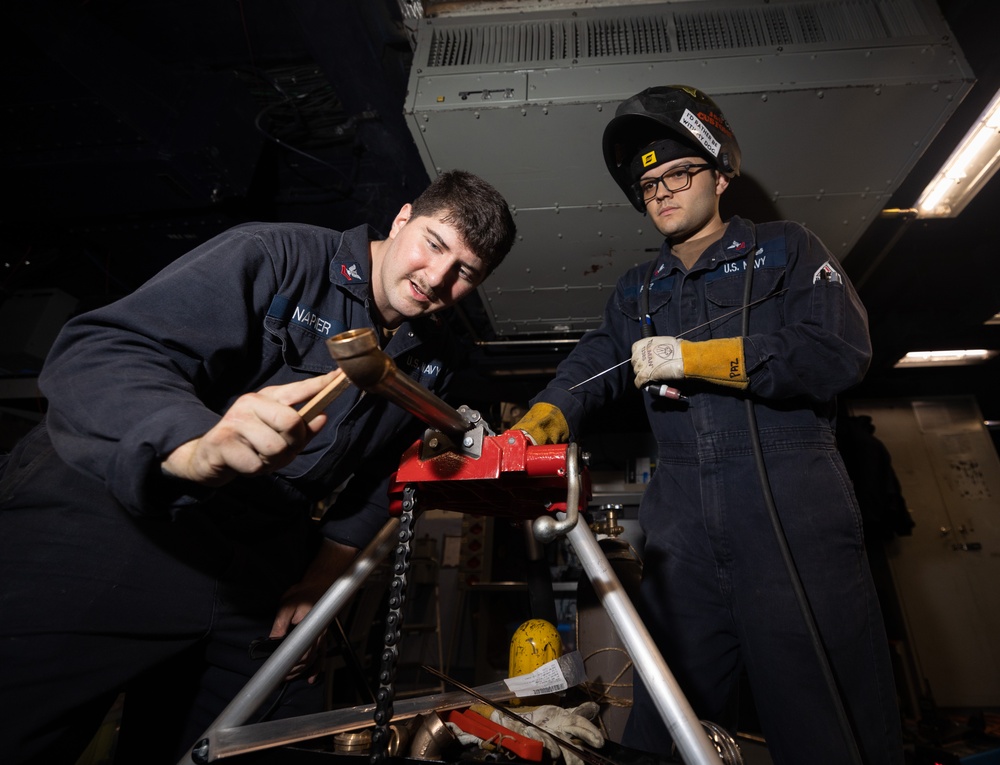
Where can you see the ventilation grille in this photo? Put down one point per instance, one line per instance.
(728, 30)
(625, 37)
(536, 42)
(489, 43)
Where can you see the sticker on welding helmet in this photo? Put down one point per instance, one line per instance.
(649, 159)
(700, 131)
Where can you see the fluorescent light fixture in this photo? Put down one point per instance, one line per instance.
(967, 170)
(944, 358)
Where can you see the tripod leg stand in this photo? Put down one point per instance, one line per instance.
(273, 672)
(684, 726)
(226, 737)
(687, 731)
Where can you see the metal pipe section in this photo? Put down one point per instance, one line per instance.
(684, 726)
(273, 672)
(521, 343)
(357, 353)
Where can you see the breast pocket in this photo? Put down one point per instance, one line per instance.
(296, 348)
(631, 301)
(725, 297)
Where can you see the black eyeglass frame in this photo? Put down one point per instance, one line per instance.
(689, 170)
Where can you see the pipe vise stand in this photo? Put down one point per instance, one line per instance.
(457, 465)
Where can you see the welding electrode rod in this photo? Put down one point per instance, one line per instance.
(685, 332)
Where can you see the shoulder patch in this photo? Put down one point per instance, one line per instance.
(827, 273)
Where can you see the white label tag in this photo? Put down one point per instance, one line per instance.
(549, 678)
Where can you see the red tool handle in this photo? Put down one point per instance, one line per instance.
(505, 738)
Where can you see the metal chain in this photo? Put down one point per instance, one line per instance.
(393, 632)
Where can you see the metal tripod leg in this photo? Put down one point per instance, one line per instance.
(272, 673)
(685, 728)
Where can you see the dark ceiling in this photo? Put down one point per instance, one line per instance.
(134, 130)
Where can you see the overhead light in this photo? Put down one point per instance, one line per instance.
(944, 358)
(967, 170)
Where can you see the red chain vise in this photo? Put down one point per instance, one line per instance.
(506, 476)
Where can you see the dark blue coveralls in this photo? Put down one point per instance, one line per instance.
(115, 577)
(715, 595)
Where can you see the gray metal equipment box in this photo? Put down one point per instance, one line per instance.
(832, 104)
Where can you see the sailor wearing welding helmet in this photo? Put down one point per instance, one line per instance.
(772, 331)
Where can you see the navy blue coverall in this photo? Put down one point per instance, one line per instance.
(715, 594)
(115, 577)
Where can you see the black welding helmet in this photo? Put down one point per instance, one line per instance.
(683, 114)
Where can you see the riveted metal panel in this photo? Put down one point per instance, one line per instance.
(563, 269)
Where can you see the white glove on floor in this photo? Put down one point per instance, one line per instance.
(467, 739)
(573, 725)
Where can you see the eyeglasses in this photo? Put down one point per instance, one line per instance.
(674, 180)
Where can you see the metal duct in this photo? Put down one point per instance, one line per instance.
(832, 103)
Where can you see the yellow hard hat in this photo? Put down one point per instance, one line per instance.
(535, 642)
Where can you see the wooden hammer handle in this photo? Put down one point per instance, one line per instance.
(321, 400)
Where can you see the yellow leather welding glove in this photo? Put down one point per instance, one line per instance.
(544, 424)
(655, 359)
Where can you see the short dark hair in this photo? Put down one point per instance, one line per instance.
(476, 209)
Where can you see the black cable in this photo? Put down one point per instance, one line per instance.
(779, 534)
(266, 714)
(647, 323)
(353, 662)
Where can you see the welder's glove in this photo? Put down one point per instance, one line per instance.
(655, 359)
(469, 739)
(544, 424)
(573, 725)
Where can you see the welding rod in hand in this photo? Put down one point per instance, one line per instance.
(685, 332)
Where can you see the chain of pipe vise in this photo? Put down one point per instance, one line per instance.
(393, 632)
